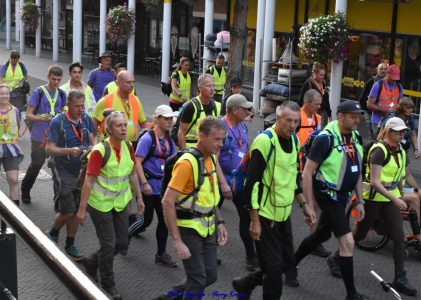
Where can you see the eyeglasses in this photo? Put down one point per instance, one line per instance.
(399, 131)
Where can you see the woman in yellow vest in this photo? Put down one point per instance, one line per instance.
(13, 72)
(181, 84)
(383, 194)
(105, 194)
(10, 153)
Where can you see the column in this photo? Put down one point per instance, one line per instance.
(267, 40)
(260, 26)
(209, 8)
(55, 29)
(22, 31)
(336, 74)
(77, 30)
(8, 24)
(102, 37)
(166, 41)
(17, 20)
(131, 43)
(38, 32)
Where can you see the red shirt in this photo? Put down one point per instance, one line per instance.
(95, 161)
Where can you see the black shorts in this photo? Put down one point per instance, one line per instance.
(10, 163)
(333, 215)
(66, 194)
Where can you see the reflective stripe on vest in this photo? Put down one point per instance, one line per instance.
(12, 79)
(275, 194)
(390, 177)
(9, 122)
(207, 200)
(184, 87)
(111, 189)
(306, 129)
(333, 168)
(87, 91)
(388, 98)
(134, 110)
(220, 79)
(193, 134)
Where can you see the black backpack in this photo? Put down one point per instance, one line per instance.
(166, 87)
(198, 107)
(169, 166)
(365, 159)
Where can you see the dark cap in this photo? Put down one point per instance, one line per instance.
(236, 81)
(105, 54)
(349, 106)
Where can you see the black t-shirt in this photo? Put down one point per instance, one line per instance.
(377, 156)
(320, 150)
(189, 109)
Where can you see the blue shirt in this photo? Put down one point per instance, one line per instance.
(98, 79)
(231, 153)
(375, 116)
(60, 128)
(154, 165)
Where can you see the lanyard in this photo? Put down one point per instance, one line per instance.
(78, 136)
(239, 140)
(125, 107)
(51, 101)
(349, 149)
(159, 149)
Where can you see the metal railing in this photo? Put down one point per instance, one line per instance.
(71, 276)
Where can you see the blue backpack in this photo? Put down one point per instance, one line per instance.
(238, 176)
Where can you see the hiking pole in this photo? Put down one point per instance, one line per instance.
(386, 285)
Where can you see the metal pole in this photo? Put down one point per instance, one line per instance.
(77, 30)
(55, 29)
(209, 8)
(22, 32)
(166, 41)
(38, 32)
(337, 68)
(131, 43)
(75, 280)
(8, 23)
(17, 20)
(258, 53)
(102, 37)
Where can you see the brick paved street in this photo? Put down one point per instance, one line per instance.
(137, 277)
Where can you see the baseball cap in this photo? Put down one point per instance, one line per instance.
(396, 124)
(349, 106)
(394, 72)
(238, 100)
(164, 110)
(236, 81)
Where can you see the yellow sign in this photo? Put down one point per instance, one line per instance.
(351, 82)
(411, 93)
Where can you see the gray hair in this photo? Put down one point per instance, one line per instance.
(202, 78)
(114, 115)
(287, 104)
(74, 95)
(310, 95)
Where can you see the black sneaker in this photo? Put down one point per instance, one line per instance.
(320, 251)
(112, 291)
(291, 277)
(356, 296)
(26, 197)
(242, 288)
(401, 284)
(333, 264)
(91, 269)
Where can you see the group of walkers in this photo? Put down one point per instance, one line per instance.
(134, 168)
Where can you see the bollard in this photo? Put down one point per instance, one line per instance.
(8, 263)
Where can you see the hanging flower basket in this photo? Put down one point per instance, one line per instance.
(325, 38)
(120, 23)
(29, 16)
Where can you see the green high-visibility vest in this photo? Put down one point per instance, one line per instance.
(220, 79)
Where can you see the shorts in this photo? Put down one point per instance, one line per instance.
(10, 163)
(66, 194)
(333, 215)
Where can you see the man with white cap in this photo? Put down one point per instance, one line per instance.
(235, 147)
(152, 151)
(383, 193)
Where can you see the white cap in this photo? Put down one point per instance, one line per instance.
(164, 110)
(396, 124)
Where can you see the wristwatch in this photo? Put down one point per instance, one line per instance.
(220, 222)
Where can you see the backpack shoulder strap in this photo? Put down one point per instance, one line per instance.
(379, 90)
(152, 147)
(197, 108)
(107, 153)
(272, 146)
